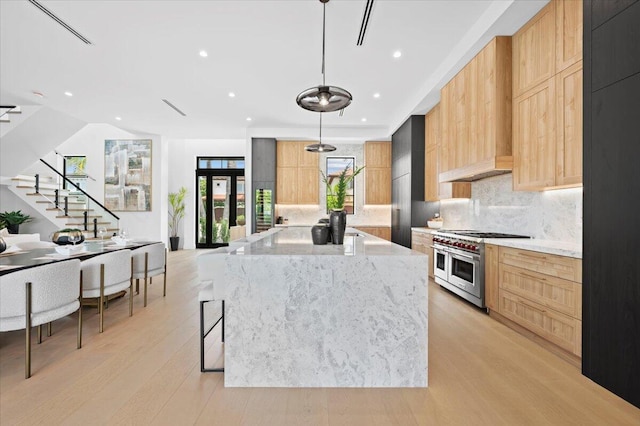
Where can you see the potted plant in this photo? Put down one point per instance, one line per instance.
(12, 220)
(337, 193)
(176, 213)
(335, 202)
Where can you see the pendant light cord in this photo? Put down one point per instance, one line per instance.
(324, 10)
(320, 128)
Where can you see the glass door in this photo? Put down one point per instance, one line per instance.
(220, 205)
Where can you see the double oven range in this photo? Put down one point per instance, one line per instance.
(458, 262)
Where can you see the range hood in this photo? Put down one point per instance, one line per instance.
(479, 170)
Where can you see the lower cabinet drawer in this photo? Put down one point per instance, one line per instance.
(556, 293)
(562, 330)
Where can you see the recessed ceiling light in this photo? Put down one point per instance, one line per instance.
(249, 118)
(363, 119)
(397, 54)
(204, 53)
(376, 95)
(68, 94)
(232, 95)
(118, 118)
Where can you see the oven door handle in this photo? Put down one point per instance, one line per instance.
(464, 256)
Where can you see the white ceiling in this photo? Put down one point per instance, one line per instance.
(266, 52)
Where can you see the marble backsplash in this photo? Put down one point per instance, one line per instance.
(309, 215)
(494, 206)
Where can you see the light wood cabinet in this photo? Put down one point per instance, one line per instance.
(433, 190)
(569, 126)
(423, 242)
(377, 172)
(475, 110)
(534, 51)
(491, 277)
(547, 106)
(568, 33)
(297, 174)
(534, 142)
(383, 232)
(542, 293)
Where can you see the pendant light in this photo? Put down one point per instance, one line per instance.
(324, 98)
(320, 147)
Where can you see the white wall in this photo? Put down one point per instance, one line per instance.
(89, 142)
(182, 155)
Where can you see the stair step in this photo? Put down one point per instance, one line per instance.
(78, 217)
(53, 186)
(4, 119)
(90, 223)
(71, 210)
(27, 178)
(61, 202)
(15, 110)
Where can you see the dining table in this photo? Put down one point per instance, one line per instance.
(16, 260)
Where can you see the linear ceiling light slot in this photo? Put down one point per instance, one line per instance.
(60, 21)
(365, 21)
(175, 108)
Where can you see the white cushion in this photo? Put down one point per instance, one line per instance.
(55, 289)
(156, 260)
(206, 294)
(117, 272)
(210, 267)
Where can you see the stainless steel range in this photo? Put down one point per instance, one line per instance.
(458, 262)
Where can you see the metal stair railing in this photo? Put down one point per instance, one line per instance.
(91, 212)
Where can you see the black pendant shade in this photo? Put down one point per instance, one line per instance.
(324, 99)
(320, 147)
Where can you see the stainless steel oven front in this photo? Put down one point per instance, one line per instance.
(465, 271)
(440, 263)
(460, 271)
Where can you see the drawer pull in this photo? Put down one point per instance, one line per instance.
(532, 277)
(533, 307)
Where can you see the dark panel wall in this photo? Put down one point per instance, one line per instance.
(263, 169)
(407, 173)
(611, 259)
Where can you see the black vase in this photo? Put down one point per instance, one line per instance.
(338, 221)
(13, 228)
(320, 234)
(174, 242)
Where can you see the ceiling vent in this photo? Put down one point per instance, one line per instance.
(175, 108)
(365, 21)
(60, 21)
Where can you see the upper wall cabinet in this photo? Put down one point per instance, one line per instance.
(377, 158)
(297, 174)
(547, 111)
(433, 190)
(475, 111)
(549, 43)
(534, 51)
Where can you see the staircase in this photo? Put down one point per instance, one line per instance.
(66, 209)
(6, 111)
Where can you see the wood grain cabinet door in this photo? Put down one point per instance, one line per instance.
(569, 125)
(534, 135)
(491, 277)
(569, 30)
(287, 185)
(534, 51)
(308, 187)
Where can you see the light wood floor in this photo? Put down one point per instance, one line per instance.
(145, 370)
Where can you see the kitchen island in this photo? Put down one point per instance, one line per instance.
(302, 315)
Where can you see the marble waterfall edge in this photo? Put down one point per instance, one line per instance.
(326, 321)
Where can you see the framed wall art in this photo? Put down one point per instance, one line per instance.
(127, 175)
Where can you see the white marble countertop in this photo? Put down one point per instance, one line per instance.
(296, 240)
(425, 230)
(561, 248)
